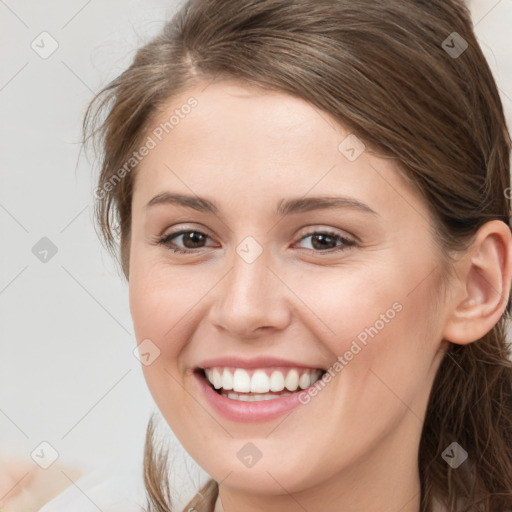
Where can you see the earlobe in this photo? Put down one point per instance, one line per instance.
(482, 286)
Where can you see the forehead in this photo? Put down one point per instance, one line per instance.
(226, 136)
(245, 119)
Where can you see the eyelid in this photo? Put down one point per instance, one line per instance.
(183, 228)
(310, 230)
(346, 240)
(166, 239)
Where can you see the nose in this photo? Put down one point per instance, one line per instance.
(250, 300)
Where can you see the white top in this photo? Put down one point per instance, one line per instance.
(115, 489)
(103, 490)
(122, 491)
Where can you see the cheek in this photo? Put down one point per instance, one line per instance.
(159, 303)
(159, 313)
(383, 348)
(353, 305)
(379, 325)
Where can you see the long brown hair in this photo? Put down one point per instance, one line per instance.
(407, 77)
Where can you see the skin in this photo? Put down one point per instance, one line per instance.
(354, 446)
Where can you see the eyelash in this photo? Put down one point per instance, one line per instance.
(165, 240)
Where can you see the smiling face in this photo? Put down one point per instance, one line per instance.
(344, 285)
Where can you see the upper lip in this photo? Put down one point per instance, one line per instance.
(256, 362)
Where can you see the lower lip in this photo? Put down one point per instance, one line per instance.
(236, 410)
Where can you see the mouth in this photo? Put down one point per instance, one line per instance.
(259, 384)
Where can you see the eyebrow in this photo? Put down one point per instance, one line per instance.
(284, 207)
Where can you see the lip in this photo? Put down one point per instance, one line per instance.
(257, 362)
(248, 412)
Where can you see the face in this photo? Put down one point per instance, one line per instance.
(261, 276)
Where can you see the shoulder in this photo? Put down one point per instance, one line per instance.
(107, 490)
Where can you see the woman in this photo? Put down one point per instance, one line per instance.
(313, 219)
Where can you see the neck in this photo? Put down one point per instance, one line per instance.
(386, 478)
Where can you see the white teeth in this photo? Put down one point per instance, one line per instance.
(217, 379)
(292, 380)
(242, 382)
(276, 381)
(254, 398)
(260, 383)
(227, 380)
(305, 380)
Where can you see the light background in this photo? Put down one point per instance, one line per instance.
(68, 375)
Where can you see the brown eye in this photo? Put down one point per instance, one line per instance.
(322, 241)
(193, 239)
(190, 240)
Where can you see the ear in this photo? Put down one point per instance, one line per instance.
(482, 286)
